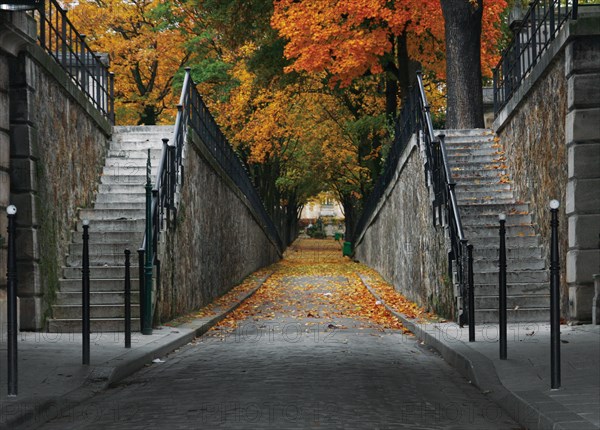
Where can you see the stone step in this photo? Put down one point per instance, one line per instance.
(97, 325)
(483, 195)
(97, 298)
(137, 144)
(103, 248)
(512, 302)
(492, 219)
(491, 200)
(495, 209)
(493, 231)
(122, 167)
(100, 285)
(120, 205)
(97, 272)
(492, 252)
(111, 214)
(121, 197)
(155, 153)
(473, 142)
(513, 289)
(465, 132)
(107, 225)
(520, 277)
(96, 311)
(110, 237)
(102, 259)
(492, 264)
(487, 149)
(490, 187)
(123, 188)
(472, 168)
(456, 158)
(511, 242)
(139, 180)
(472, 176)
(490, 316)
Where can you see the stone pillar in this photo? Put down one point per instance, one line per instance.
(17, 30)
(583, 188)
(24, 189)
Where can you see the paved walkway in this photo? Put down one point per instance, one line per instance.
(310, 349)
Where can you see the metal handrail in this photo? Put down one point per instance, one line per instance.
(532, 37)
(61, 40)
(445, 204)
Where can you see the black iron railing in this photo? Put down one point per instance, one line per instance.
(445, 204)
(192, 115)
(531, 39)
(415, 117)
(89, 70)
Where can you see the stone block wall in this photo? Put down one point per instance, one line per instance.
(57, 148)
(583, 186)
(551, 137)
(215, 242)
(533, 141)
(416, 264)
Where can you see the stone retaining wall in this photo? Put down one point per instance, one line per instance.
(403, 245)
(550, 133)
(216, 240)
(57, 148)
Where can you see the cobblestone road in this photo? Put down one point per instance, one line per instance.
(295, 364)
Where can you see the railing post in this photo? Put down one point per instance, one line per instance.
(42, 11)
(83, 61)
(127, 300)
(552, 19)
(495, 88)
(554, 298)
(147, 327)
(575, 12)
(471, 294)
(142, 289)
(63, 37)
(85, 290)
(111, 101)
(533, 32)
(11, 293)
(502, 287)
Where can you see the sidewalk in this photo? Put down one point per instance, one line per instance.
(52, 380)
(521, 384)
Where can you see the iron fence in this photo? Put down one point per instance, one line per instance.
(415, 117)
(532, 37)
(88, 69)
(193, 114)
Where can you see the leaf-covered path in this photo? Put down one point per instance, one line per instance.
(311, 349)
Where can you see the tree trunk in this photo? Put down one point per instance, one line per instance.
(463, 63)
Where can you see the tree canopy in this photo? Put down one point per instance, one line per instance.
(306, 91)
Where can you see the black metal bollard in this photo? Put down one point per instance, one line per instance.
(471, 294)
(11, 277)
(554, 298)
(141, 279)
(127, 300)
(502, 287)
(85, 289)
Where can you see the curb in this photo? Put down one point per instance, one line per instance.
(111, 372)
(480, 371)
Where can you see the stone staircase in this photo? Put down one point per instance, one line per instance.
(116, 223)
(484, 190)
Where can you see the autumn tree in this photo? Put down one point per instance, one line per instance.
(146, 49)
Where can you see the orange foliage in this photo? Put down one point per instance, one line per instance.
(348, 38)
